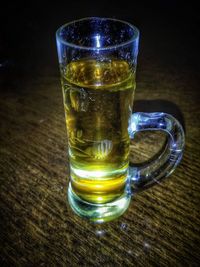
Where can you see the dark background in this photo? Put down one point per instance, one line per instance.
(169, 31)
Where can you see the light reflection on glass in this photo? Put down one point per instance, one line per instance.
(97, 38)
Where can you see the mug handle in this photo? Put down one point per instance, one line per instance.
(141, 177)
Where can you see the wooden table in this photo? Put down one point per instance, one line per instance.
(38, 228)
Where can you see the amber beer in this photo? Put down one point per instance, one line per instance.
(98, 99)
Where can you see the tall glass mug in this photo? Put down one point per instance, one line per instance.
(98, 58)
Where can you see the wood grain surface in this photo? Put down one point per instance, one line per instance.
(37, 227)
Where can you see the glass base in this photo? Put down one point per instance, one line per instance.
(98, 213)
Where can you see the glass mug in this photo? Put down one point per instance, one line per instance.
(97, 58)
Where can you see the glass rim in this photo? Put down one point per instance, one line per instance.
(132, 39)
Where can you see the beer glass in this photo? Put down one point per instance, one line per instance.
(98, 58)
